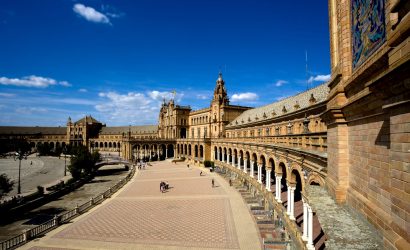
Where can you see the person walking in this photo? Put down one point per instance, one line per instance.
(187, 165)
(200, 174)
(213, 182)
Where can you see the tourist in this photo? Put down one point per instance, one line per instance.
(213, 182)
(187, 165)
(230, 182)
(200, 174)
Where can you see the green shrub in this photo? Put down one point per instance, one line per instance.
(208, 164)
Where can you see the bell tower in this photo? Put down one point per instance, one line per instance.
(219, 102)
(220, 94)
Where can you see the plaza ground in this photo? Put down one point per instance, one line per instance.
(106, 177)
(35, 171)
(190, 215)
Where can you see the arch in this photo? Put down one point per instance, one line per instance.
(189, 150)
(282, 171)
(201, 151)
(119, 145)
(315, 179)
(196, 151)
(110, 145)
(215, 153)
(105, 144)
(114, 144)
(295, 179)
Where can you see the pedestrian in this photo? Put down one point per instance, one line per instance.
(213, 182)
(187, 165)
(230, 182)
(200, 174)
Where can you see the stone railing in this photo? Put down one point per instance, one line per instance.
(37, 231)
(280, 210)
(311, 141)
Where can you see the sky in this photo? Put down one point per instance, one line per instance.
(117, 60)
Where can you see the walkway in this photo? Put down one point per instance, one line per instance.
(191, 215)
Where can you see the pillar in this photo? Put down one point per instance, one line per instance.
(245, 165)
(292, 203)
(260, 173)
(310, 228)
(227, 158)
(166, 152)
(268, 171)
(223, 157)
(252, 170)
(305, 222)
(278, 188)
(158, 153)
(239, 162)
(233, 160)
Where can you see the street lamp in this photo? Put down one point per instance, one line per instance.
(65, 160)
(20, 156)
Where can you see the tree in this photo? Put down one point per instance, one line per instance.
(83, 162)
(5, 185)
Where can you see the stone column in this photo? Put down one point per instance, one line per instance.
(223, 157)
(212, 155)
(166, 152)
(310, 229)
(305, 222)
(288, 207)
(233, 160)
(239, 162)
(292, 203)
(268, 179)
(252, 170)
(227, 158)
(278, 188)
(158, 154)
(245, 165)
(260, 173)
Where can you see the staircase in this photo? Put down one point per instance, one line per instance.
(272, 232)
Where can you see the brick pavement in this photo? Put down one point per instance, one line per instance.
(191, 215)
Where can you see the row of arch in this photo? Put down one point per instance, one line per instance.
(152, 152)
(187, 150)
(288, 179)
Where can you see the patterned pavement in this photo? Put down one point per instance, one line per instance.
(190, 215)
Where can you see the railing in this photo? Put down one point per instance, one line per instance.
(32, 233)
(312, 141)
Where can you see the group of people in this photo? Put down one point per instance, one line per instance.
(141, 165)
(163, 186)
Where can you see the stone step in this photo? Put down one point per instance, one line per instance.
(255, 207)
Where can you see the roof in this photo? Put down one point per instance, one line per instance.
(282, 107)
(87, 120)
(33, 130)
(134, 129)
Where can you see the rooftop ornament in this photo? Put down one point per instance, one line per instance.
(264, 115)
(273, 113)
(296, 106)
(312, 99)
(284, 110)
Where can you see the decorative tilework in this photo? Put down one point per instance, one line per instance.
(368, 28)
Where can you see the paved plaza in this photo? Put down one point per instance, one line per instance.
(35, 171)
(190, 215)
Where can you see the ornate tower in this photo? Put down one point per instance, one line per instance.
(219, 101)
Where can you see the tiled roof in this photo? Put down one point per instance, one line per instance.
(87, 119)
(33, 130)
(134, 129)
(283, 107)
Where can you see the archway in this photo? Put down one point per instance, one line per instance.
(196, 151)
(201, 152)
(254, 167)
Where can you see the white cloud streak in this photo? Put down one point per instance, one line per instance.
(280, 83)
(32, 81)
(90, 14)
(245, 97)
(319, 78)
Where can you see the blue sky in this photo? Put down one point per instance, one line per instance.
(117, 60)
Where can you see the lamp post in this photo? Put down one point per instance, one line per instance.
(20, 156)
(65, 160)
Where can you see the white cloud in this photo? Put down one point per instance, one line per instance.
(90, 14)
(33, 81)
(319, 78)
(248, 96)
(7, 95)
(202, 97)
(30, 110)
(83, 90)
(280, 83)
(134, 107)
